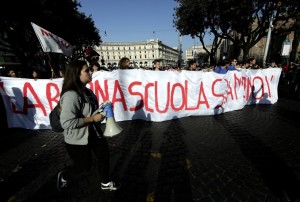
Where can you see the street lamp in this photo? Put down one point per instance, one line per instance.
(285, 50)
(286, 45)
(268, 39)
(277, 5)
(179, 49)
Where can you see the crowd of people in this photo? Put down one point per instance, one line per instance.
(124, 63)
(290, 71)
(34, 73)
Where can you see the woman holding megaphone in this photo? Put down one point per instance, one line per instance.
(82, 132)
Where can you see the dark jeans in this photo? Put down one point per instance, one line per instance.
(82, 158)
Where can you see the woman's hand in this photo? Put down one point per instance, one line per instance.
(98, 117)
(95, 118)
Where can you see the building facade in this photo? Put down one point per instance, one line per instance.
(141, 54)
(191, 53)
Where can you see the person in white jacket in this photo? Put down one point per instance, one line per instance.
(82, 132)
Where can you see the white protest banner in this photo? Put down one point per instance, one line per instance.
(145, 94)
(52, 43)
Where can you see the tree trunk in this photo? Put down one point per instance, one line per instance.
(295, 45)
(245, 53)
(212, 58)
(235, 51)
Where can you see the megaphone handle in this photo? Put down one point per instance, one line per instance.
(103, 113)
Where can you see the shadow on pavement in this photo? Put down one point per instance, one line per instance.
(173, 182)
(278, 176)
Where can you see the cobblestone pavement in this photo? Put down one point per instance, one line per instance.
(251, 155)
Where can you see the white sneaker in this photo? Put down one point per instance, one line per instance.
(111, 186)
(61, 183)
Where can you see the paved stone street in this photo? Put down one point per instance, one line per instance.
(251, 155)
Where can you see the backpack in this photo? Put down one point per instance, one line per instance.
(54, 118)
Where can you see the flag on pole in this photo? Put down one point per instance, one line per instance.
(89, 52)
(52, 43)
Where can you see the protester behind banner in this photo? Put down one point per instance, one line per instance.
(11, 73)
(124, 63)
(36, 74)
(222, 66)
(95, 66)
(192, 65)
(156, 65)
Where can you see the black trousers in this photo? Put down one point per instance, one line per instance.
(81, 156)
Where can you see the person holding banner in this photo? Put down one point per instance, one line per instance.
(124, 63)
(233, 64)
(82, 132)
(222, 67)
(156, 65)
(252, 63)
(36, 74)
(95, 66)
(192, 65)
(11, 73)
